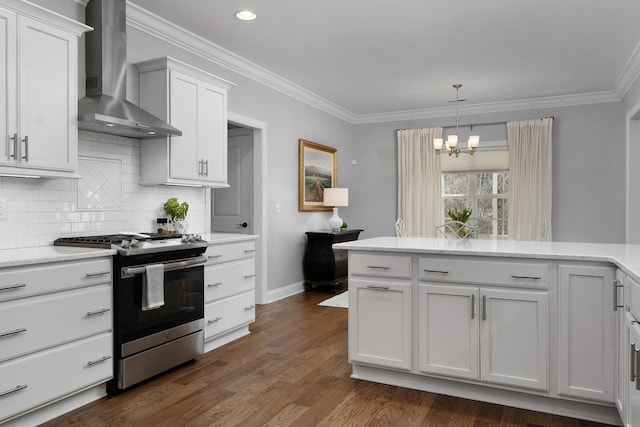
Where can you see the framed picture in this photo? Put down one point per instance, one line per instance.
(318, 170)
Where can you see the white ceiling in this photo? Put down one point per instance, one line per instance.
(377, 57)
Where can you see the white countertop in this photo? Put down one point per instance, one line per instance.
(217, 238)
(627, 257)
(44, 254)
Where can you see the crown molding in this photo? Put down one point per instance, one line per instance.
(158, 27)
(629, 75)
(491, 107)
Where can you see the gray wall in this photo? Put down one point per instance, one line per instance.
(588, 170)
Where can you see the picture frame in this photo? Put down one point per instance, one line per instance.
(318, 170)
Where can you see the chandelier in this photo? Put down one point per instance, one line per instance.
(452, 140)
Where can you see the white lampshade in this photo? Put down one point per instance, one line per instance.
(336, 197)
(452, 140)
(474, 141)
(437, 143)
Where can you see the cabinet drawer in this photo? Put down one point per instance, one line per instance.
(40, 378)
(37, 323)
(380, 265)
(19, 282)
(225, 315)
(221, 281)
(484, 272)
(228, 252)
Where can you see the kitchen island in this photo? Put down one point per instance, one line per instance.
(535, 325)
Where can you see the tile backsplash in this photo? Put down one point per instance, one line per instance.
(107, 199)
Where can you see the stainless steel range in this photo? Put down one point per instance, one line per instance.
(167, 270)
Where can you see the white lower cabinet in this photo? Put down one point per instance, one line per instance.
(621, 345)
(229, 294)
(493, 335)
(55, 332)
(586, 332)
(632, 380)
(380, 323)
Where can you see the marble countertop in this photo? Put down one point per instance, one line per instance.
(626, 257)
(44, 254)
(217, 238)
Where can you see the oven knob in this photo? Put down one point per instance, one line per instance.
(125, 244)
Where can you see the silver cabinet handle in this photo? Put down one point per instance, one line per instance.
(637, 357)
(206, 168)
(214, 256)
(200, 167)
(26, 148)
(9, 287)
(632, 363)
(95, 362)
(473, 306)
(437, 271)
(13, 390)
(248, 251)
(249, 276)
(213, 285)
(13, 138)
(96, 312)
(484, 307)
(517, 276)
(217, 319)
(98, 273)
(378, 267)
(616, 286)
(249, 307)
(14, 332)
(380, 287)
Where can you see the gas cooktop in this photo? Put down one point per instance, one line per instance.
(135, 243)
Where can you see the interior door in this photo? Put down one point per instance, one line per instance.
(232, 210)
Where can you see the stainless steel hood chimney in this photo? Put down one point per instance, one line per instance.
(105, 108)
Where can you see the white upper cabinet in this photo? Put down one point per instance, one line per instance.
(38, 80)
(195, 102)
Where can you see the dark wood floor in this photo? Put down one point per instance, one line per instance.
(292, 370)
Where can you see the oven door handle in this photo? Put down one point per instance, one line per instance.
(127, 272)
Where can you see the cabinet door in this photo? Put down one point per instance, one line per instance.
(7, 85)
(632, 381)
(47, 96)
(183, 157)
(586, 332)
(514, 338)
(380, 323)
(212, 142)
(620, 348)
(448, 330)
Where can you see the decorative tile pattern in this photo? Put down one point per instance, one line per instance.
(100, 187)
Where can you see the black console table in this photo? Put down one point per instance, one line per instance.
(321, 264)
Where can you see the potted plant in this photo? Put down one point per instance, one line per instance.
(177, 212)
(460, 218)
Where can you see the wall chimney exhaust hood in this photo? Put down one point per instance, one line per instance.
(105, 108)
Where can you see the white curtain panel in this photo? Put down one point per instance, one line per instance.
(418, 181)
(529, 143)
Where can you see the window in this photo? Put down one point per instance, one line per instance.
(486, 193)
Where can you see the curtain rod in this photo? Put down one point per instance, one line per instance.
(471, 125)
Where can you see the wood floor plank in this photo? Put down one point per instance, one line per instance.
(292, 370)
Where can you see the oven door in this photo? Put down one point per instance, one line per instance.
(183, 300)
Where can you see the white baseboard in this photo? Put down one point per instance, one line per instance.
(285, 291)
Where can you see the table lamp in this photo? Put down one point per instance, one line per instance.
(336, 197)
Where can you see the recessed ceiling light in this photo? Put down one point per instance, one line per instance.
(246, 15)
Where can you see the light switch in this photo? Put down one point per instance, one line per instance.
(277, 207)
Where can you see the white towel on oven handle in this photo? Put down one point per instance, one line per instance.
(153, 287)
